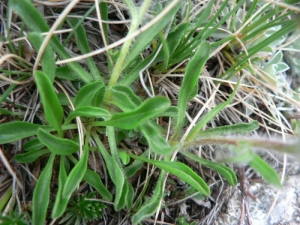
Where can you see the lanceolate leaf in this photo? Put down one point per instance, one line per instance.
(156, 141)
(60, 203)
(268, 173)
(146, 37)
(41, 194)
(48, 61)
(230, 129)
(93, 179)
(52, 108)
(208, 117)
(125, 97)
(190, 80)
(83, 45)
(17, 130)
(87, 93)
(151, 108)
(218, 167)
(30, 156)
(181, 171)
(59, 146)
(149, 208)
(76, 175)
(88, 111)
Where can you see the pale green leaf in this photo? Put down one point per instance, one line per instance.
(88, 111)
(190, 80)
(268, 173)
(93, 179)
(181, 171)
(86, 94)
(59, 146)
(151, 108)
(48, 61)
(60, 203)
(52, 108)
(41, 194)
(76, 175)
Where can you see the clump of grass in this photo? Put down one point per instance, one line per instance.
(81, 111)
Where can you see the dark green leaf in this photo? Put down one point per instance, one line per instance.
(31, 156)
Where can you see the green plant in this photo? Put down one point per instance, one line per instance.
(83, 209)
(108, 108)
(13, 218)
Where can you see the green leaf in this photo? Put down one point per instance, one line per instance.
(230, 129)
(59, 146)
(14, 131)
(35, 21)
(33, 144)
(76, 175)
(30, 156)
(150, 207)
(86, 94)
(41, 193)
(8, 112)
(212, 113)
(116, 173)
(189, 82)
(65, 72)
(88, 111)
(156, 142)
(83, 45)
(52, 108)
(135, 166)
(267, 172)
(165, 50)
(146, 37)
(181, 171)
(93, 179)
(124, 157)
(149, 109)
(48, 61)
(60, 203)
(126, 98)
(170, 112)
(226, 172)
(130, 196)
